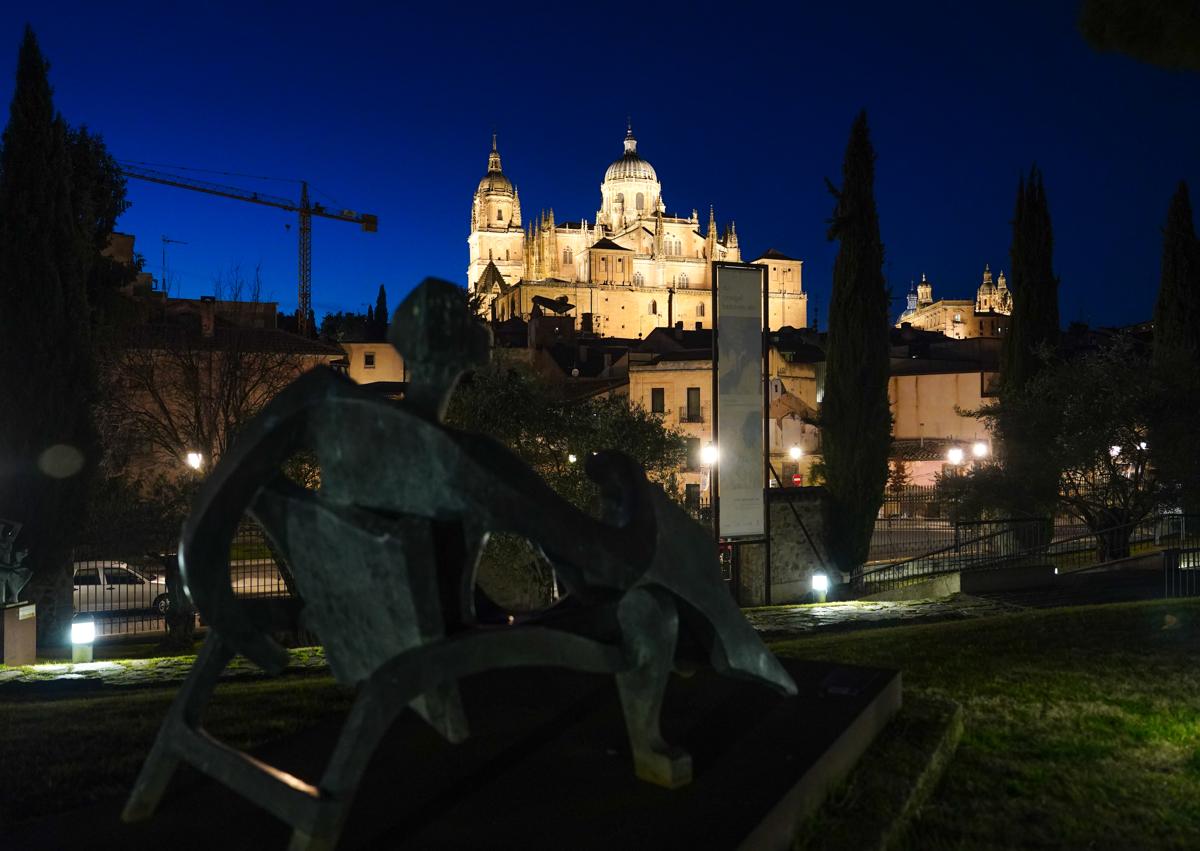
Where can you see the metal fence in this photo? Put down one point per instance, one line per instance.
(127, 594)
(1181, 572)
(996, 544)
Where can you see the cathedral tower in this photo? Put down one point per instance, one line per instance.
(496, 235)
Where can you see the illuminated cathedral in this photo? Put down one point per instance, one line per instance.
(630, 269)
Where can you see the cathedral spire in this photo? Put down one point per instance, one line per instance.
(712, 221)
(494, 156)
(630, 140)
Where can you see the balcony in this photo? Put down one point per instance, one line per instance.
(691, 414)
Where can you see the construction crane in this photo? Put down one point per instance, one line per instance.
(304, 207)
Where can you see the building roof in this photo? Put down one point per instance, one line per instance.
(226, 338)
(490, 277)
(606, 244)
(772, 254)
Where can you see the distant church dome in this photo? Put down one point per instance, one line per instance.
(630, 166)
(494, 180)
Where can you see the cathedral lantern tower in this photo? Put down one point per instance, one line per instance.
(496, 235)
(630, 190)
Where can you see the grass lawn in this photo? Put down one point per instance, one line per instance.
(63, 753)
(1081, 725)
(1081, 728)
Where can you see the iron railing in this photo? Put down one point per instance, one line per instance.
(1019, 542)
(128, 594)
(1181, 572)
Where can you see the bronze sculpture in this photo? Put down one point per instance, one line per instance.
(406, 505)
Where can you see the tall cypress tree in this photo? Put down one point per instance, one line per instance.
(1034, 321)
(381, 314)
(856, 421)
(1177, 313)
(1177, 356)
(1032, 332)
(47, 440)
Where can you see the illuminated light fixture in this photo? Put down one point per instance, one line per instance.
(955, 455)
(979, 449)
(795, 452)
(194, 460)
(820, 586)
(1142, 446)
(1114, 451)
(571, 459)
(709, 454)
(83, 634)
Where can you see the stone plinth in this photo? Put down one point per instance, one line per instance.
(18, 635)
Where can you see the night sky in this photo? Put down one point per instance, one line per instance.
(742, 106)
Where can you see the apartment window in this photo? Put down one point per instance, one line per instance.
(658, 403)
(368, 360)
(691, 496)
(693, 453)
(693, 404)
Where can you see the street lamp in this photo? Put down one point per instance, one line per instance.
(955, 455)
(194, 460)
(709, 455)
(795, 452)
(979, 449)
(571, 459)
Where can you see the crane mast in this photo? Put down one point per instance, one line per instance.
(304, 207)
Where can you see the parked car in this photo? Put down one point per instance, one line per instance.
(113, 586)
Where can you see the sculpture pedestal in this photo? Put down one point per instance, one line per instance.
(18, 633)
(548, 767)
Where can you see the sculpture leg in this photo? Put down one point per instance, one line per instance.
(184, 712)
(650, 625)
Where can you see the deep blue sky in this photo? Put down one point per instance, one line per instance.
(743, 106)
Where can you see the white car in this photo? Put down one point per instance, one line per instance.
(113, 586)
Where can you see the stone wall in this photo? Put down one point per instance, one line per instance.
(793, 558)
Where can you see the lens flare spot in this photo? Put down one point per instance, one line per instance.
(61, 461)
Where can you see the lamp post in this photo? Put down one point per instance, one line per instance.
(194, 460)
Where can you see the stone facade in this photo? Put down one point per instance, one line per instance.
(633, 268)
(986, 316)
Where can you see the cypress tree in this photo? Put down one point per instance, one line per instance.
(1177, 312)
(1177, 356)
(1032, 333)
(381, 314)
(1034, 321)
(855, 419)
(47, 442)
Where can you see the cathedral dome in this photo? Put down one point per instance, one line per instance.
(494, 180)
(630, 166)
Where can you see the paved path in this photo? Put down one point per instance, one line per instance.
(779, 622)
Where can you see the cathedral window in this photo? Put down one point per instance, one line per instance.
(653, 307)
(638, 279)
(567, 256)
(499, 215)
(683, 279)
(640, 201)
(700, 309)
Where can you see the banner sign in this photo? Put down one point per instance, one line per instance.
(738, 393)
